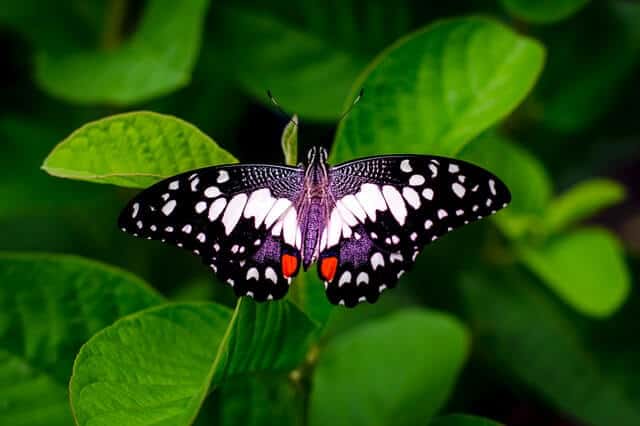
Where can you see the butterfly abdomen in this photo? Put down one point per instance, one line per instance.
(314, 219)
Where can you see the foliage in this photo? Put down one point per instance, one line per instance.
(537, 302)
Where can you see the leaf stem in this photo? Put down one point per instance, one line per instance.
(113, 22)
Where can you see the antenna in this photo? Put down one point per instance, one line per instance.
(277, 105)
(355, 101)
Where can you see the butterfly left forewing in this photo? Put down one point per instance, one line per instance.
(233, 217)
(400, 204)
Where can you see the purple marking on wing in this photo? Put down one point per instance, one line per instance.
(356, 251)
(270, 249)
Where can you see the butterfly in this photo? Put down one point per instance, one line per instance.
(363, 222)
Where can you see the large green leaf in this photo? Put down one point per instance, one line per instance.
(462, 420)
(24, 190)
(543, 11)
(394, 370)
(157, 366)
(156, 60)
(133, 149)
(524, 175)
(435, 90)
(75, 25)
(586, 268)
(255, 401)
(581, 202)
(309, 55)
(529, 336)
(585, 71)
(49, 306)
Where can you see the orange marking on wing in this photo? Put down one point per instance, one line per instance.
(289, 265)
(328, 268)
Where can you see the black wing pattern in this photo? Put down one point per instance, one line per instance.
(240, 219)
(387, 208)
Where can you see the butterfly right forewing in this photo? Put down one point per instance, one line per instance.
(386, 209)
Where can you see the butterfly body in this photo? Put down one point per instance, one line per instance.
(363, 222)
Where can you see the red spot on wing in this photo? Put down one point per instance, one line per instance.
(328, 268)
(289, 265)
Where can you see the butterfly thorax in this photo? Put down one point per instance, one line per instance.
(314, 205)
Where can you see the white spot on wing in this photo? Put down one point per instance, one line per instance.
(371, 200)
(427, 193)
(135, 207)
(492, 186)
(200, 206)
(187, 229)
(395, 256)
(270, 274)
(194, 184)
(377, 260)
(167, 209)
(363, 278)
(434, 170)
(346, 214)
(453, 168)
(442, 214)
(216, 208)
(405, 166)
(279, 207)
(290, 226)
(458, 189)
(233, 212)
(253, 273)
(412, 197)
(211, 192)
(428, 224)
(352, 203)
(396, 203)
(334, 228)
(201, 237)
(258, 205)
(416, 180)
(344, 278)
(174, 185)
(223, 176)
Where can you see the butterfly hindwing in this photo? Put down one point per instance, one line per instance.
(240, 219)
(386, 209)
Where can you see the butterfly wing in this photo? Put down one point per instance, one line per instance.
(386, 209)
(240, 219)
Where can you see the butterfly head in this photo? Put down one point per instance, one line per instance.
(317, 155)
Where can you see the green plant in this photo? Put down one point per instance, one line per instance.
(535, 298)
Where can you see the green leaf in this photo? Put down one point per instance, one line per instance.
(289, 142)
(157, 366)
(308, 293)
(376, 374)
(524, 175)
(255, 401)
(133, 149)
(49, 306)
(158, 59)
(435, 90)
(569, 101)
(580, 202)
(74, 27)
(24, 189)
(309, 55)
(530, 337)
(586, 268)
(462, 420)
(543, 11)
